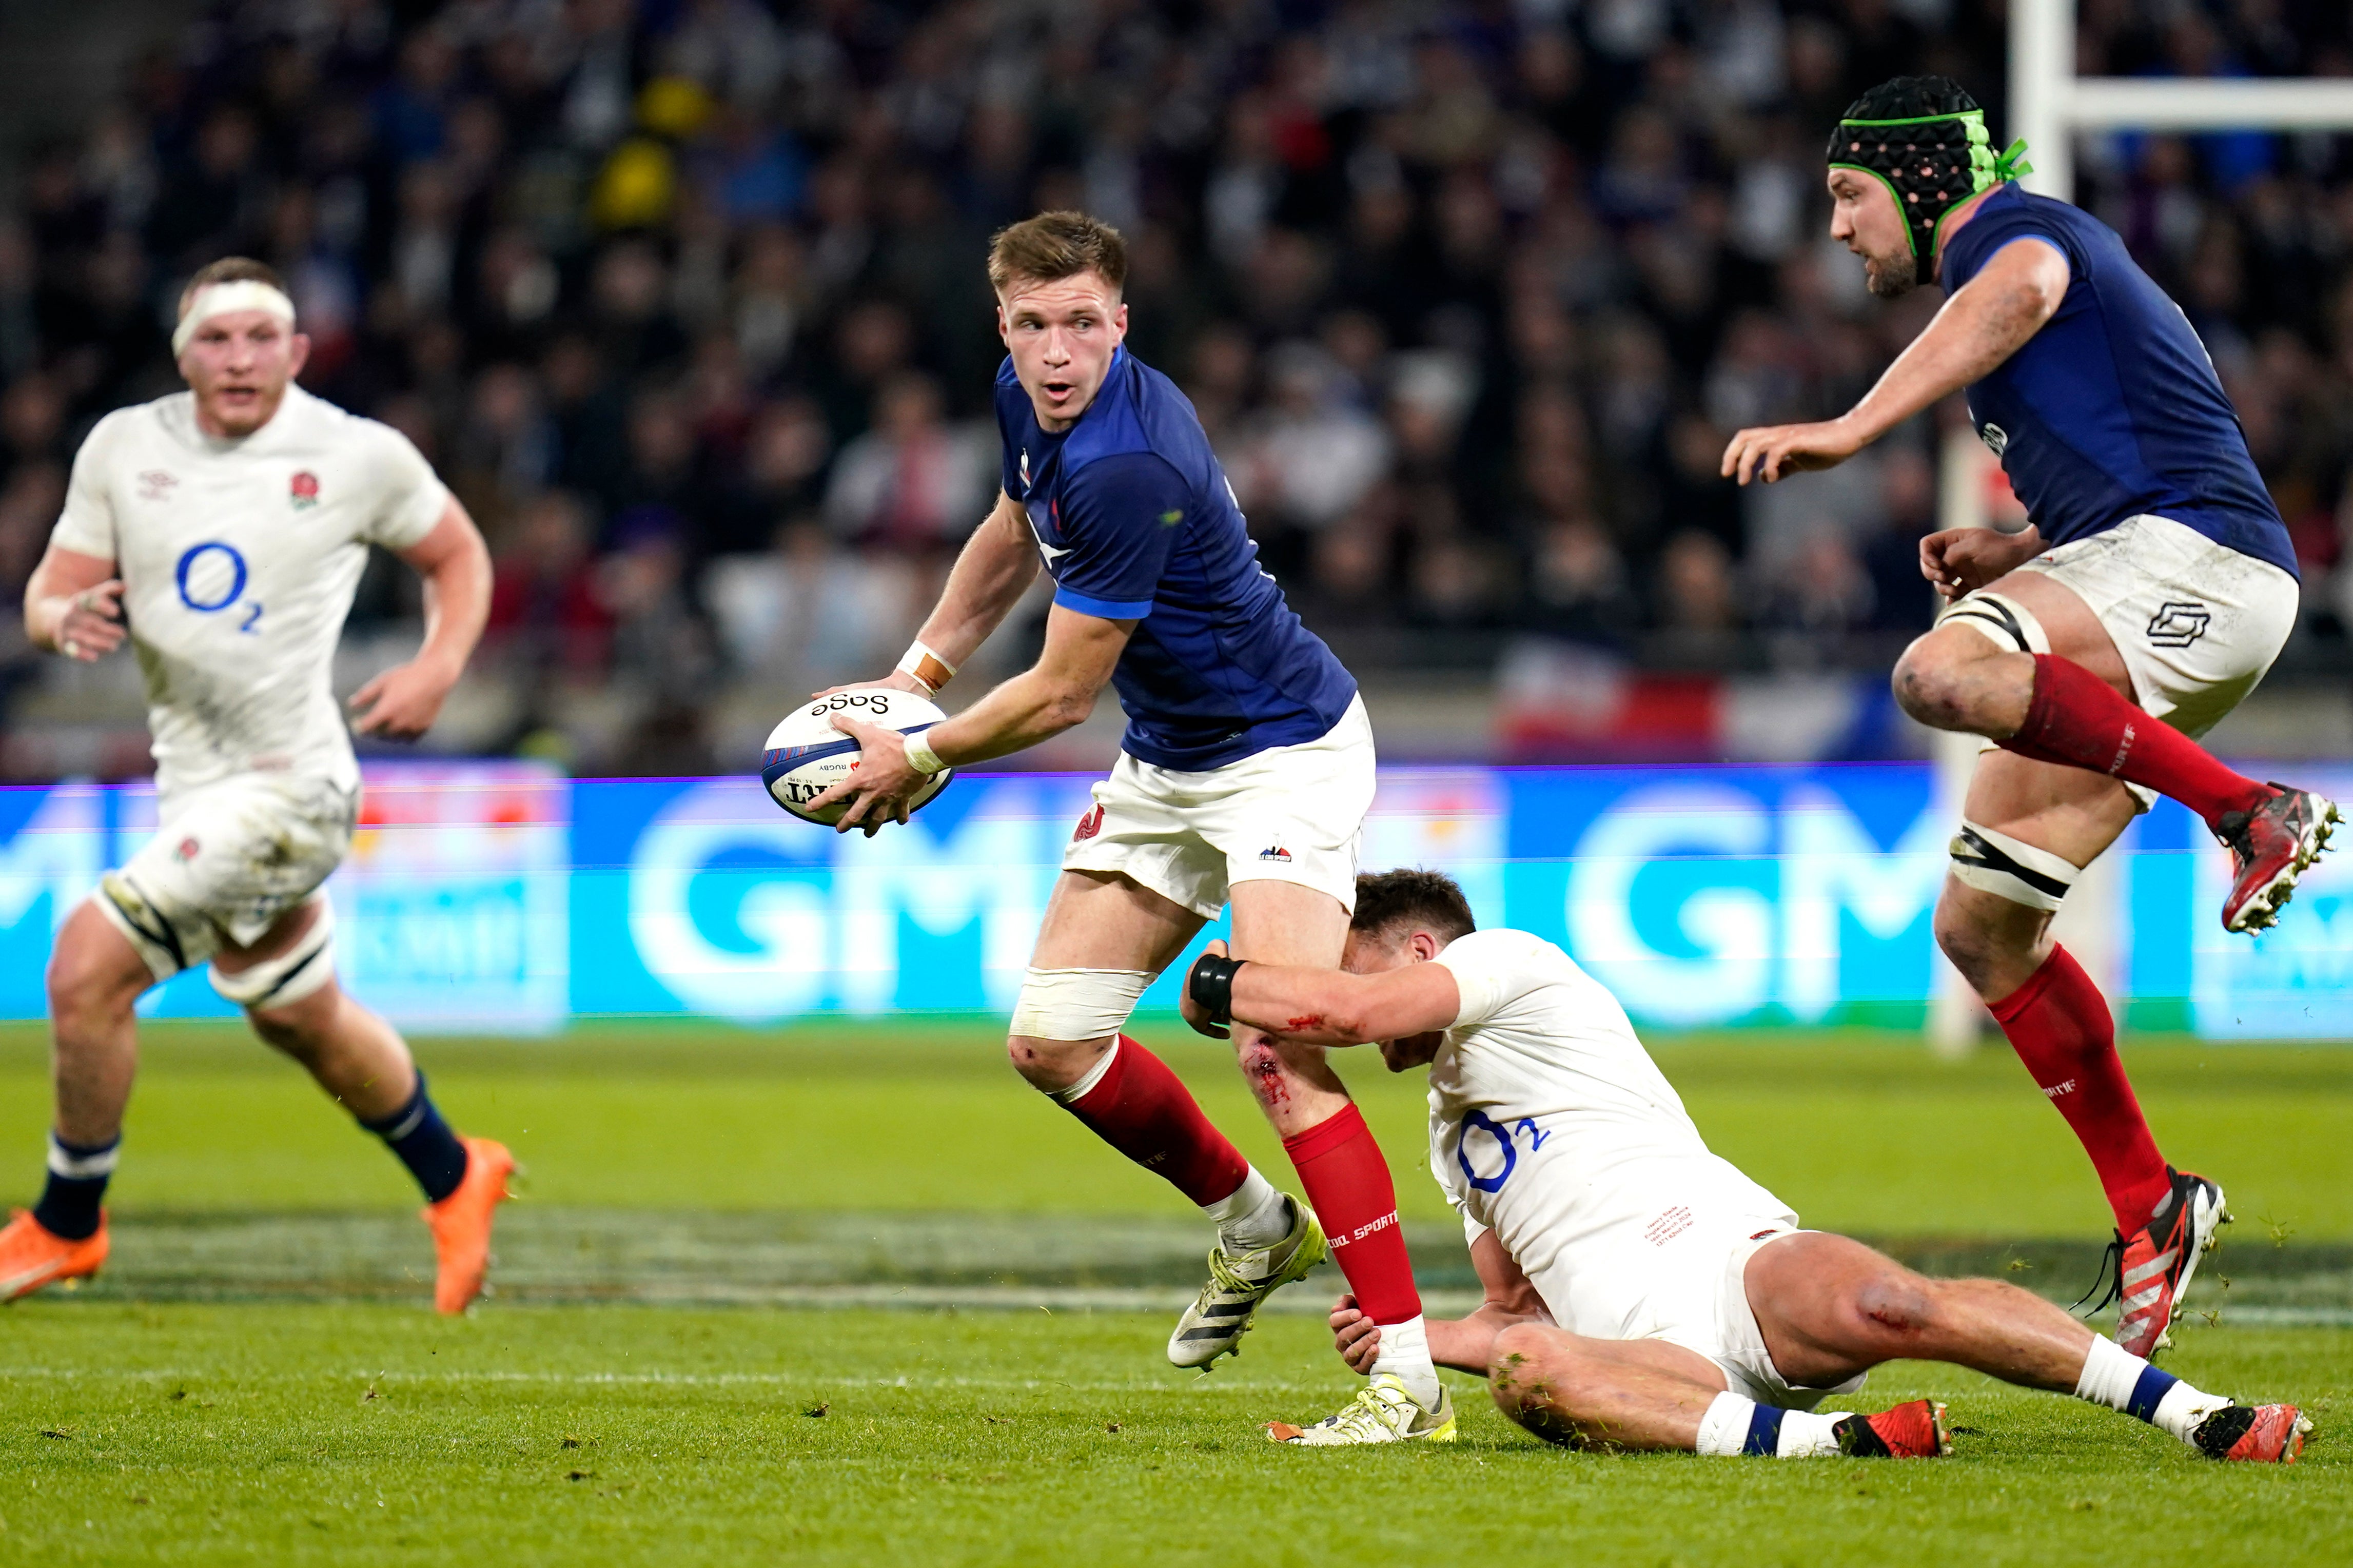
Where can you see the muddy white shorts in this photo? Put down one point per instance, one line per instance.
(2196, 624)
(1289, 814)
(1677, 1272)
(228, 860)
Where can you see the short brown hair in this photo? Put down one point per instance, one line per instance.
(232, 269)
(1411, 896)
(1057, 245)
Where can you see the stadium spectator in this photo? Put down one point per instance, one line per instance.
(1475, 281)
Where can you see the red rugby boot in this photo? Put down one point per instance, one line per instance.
(2160, 1259)
(2255, 1434)
(1914, 1431)
(2271, 845)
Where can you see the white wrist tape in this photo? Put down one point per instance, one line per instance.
(220, 299)
(927, 667)
(922, 758)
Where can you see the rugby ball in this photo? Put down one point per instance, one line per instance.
(805, 755)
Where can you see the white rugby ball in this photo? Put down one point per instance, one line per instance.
(805, 755)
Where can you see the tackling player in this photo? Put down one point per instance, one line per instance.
(2155, 583)
(1641, 1292)
(1244, 777)
(222, 530)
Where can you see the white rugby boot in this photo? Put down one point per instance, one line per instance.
(1222, 1313)
(1383, 1413)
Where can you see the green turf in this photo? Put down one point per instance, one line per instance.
(358, 1435)
(1859, 1131)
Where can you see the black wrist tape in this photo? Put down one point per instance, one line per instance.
(1212, 986)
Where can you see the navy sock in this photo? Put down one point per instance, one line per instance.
(2149, 1391)
(1764, 1432)
(78, 1177)
(424, 1143)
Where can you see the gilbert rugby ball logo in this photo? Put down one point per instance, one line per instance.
(302, 490)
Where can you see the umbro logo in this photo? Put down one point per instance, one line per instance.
(156, 485)
(2178, 623)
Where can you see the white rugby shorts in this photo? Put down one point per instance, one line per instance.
(1677, 1272)
(228, 860)
(1289, 814)
(2196, 624)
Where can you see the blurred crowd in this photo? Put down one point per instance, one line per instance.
(685, 298)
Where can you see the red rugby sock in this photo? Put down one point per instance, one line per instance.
(2077, 720)
(1349, 1187)
(1145, 1111)
(2058, 1022)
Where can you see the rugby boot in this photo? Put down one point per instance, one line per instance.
(461, 1225)
(1914, 1431)
(1222, 1313)
(2255, 1434)
(2157, 1262)
(2270, 847)
(1383, 1413)
(32, 1255)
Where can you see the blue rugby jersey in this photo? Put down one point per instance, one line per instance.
(1136, 521)
(2113, 409)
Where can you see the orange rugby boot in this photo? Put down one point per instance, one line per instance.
(31, 1256)
(461, 1225)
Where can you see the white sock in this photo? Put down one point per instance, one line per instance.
(1807, 1436)
(2115, 1377)
(1251, 1216)
(1404, 1354)
(1731, 1420)
(1724, 1429)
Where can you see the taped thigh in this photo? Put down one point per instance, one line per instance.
(1077, 1003)
(293, 974)
(2003, 621)
(2011, 868)
(166, 941)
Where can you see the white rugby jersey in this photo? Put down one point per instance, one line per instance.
(239, 560)
(1541, 1072)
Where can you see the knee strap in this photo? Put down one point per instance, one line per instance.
(2008, 625)
(1077, 1003)
(2011, 868)
(293, 974)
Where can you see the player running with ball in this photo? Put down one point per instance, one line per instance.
(2153, 588)
(222, 531)
(1244, 778)
(1641, 1292)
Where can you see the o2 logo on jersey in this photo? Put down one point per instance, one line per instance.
(1479, 1121)
(302, 490)
(211, 578)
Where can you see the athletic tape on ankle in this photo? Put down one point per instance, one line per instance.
(293, 974)
(2003, 621)
(2011, 868)
(1077, 1003)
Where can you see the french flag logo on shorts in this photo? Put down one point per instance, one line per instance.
(1277, 853)
(1090, 823)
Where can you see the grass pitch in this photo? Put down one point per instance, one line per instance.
(142, 1428)
(365, 1435)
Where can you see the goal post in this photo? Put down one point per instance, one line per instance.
(2049, 104)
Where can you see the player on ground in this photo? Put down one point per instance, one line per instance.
(1244, 776)
(2155, 583)
(223, 529)
(1642, 1292)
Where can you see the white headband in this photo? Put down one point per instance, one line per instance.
(220, 299)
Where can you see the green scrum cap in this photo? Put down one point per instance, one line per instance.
(1924, 138)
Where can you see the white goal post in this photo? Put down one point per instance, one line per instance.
(2048, 103)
